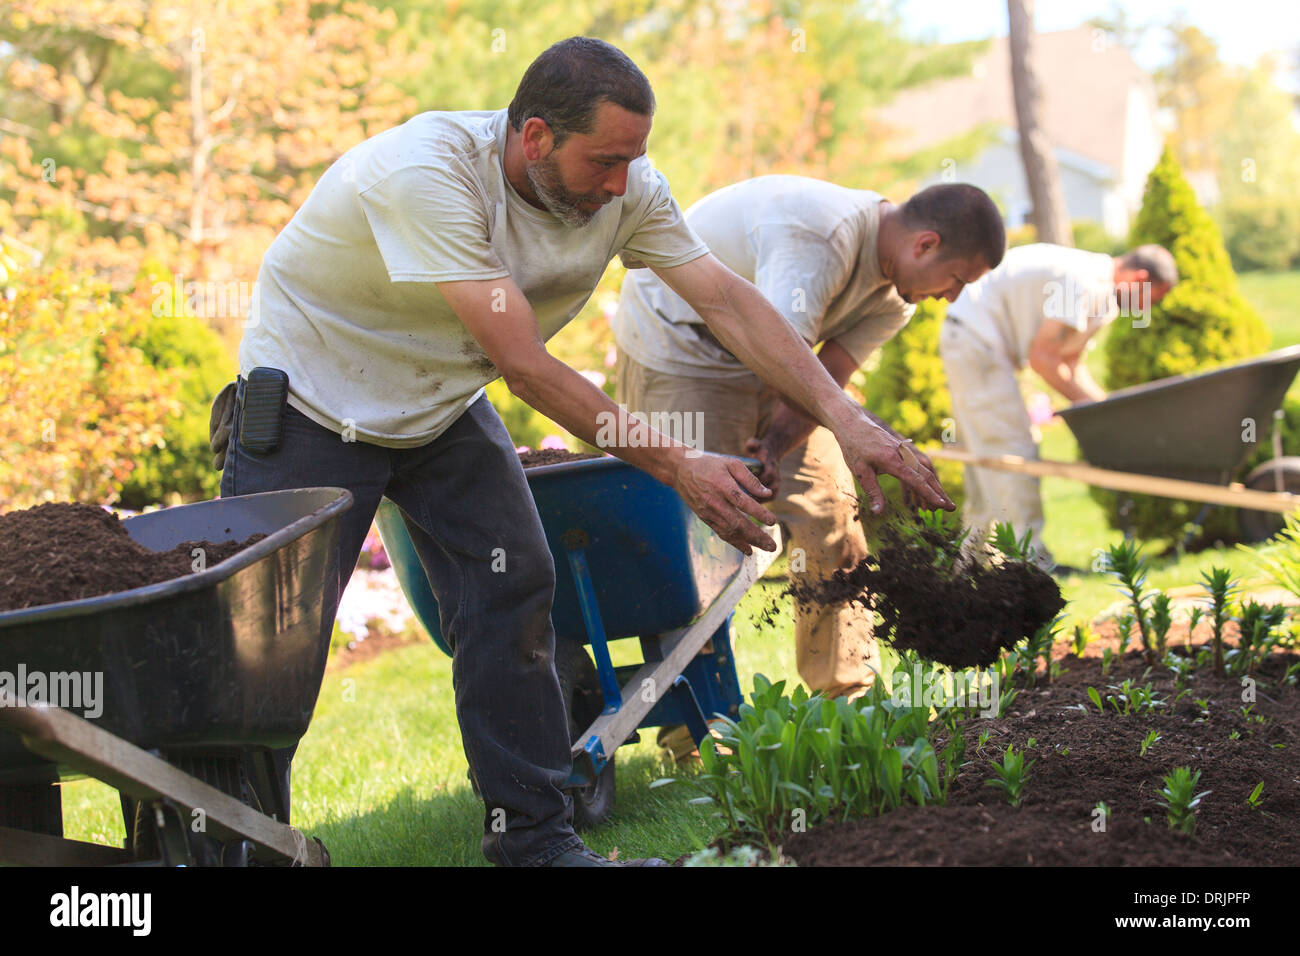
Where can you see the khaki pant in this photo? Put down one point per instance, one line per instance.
(817, 506)
(992, 420)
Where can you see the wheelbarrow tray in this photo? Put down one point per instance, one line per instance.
(654, 565)
(228, 657)
(1186, 426)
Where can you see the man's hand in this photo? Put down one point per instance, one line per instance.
(870, 450)
(724, 494)
(769, 458)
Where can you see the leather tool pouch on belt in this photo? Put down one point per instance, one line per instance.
(261, 398)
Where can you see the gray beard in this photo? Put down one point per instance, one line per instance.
(544, 177)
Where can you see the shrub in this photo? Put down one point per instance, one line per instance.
(1261, 232)
(1203, 323)
(181, 466)
(82, 403)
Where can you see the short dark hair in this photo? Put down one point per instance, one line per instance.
(1156, 260)
(571, 78)
(966, 219)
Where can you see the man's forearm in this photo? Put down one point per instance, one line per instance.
(565, 397)
(759, 336)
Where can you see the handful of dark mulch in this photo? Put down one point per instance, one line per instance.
(935, 602)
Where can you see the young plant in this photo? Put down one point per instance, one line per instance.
(1107, 659)
(1011, 775)
(1134, 699)
(1125, 622)
(1125, 561)
(1254, 801)
(1082, 638)
(1257, 625)
(1095, 696)
(1222, 586)
(1193, 619)
(1005, 540)
(1162, 619)
(1149, 740)
(1179, 799)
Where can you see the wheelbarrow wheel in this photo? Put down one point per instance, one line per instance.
(580, 688)
(1256, 526)
(181, 836)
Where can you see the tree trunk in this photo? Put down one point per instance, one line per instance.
(1051, 217)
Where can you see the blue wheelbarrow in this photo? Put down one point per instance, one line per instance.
(631, 561)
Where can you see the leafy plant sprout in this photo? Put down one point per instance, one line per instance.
(1081, 639)
(1011, 775)
(1253, 801)
(1179, 799)
(1125, 561)
(1222, 586)
(1152, 737)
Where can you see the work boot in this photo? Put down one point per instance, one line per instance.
(584, 856)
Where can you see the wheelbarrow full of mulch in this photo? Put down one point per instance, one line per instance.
(631, 561)
(199, 684)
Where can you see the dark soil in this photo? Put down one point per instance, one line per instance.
(553, 456)
(1083, 757)
(962, 618)
(64, 552)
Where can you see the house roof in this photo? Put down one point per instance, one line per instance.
(1084, 78)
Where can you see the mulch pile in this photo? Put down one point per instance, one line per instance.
(963, 618)
(1083, 757)
(64, 552)
(553, 456)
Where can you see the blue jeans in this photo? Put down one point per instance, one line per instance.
(467, 506)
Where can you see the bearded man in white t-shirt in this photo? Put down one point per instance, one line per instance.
(1041, 308)
(843, 267)
(436, 257)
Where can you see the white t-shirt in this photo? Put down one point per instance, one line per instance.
(810, 248)
(1007, 306)
(347, 304)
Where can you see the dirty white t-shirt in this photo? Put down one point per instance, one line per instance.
(347, 303)
(1006, 307)
(810, 248)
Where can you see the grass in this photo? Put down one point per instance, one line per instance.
(1275, 295)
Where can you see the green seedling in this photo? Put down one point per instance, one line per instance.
(1193, 619)
(1126, 563)
(1254, 801)
(1103, 809)
(1011, 775)
(1081, 639)
(1149, 740)
(1095, 696)
(1222, 586)
(1235, 735)
(1107, 659)
(1258, 626)
(1125, 622)
(1203, 705)
(1130, 699)
(983, 739)
(1162, 619)
(1179, 800)
(1005, 540)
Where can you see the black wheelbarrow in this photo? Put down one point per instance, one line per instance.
(188, 689)
(1184, 437)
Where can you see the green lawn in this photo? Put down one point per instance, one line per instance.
(1277, 297)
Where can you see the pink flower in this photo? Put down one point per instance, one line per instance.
(611, 357)
(553, 441)
(1040, 408)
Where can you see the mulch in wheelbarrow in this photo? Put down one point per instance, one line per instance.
(64, 551)
(962, 615)
(1082, 757)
